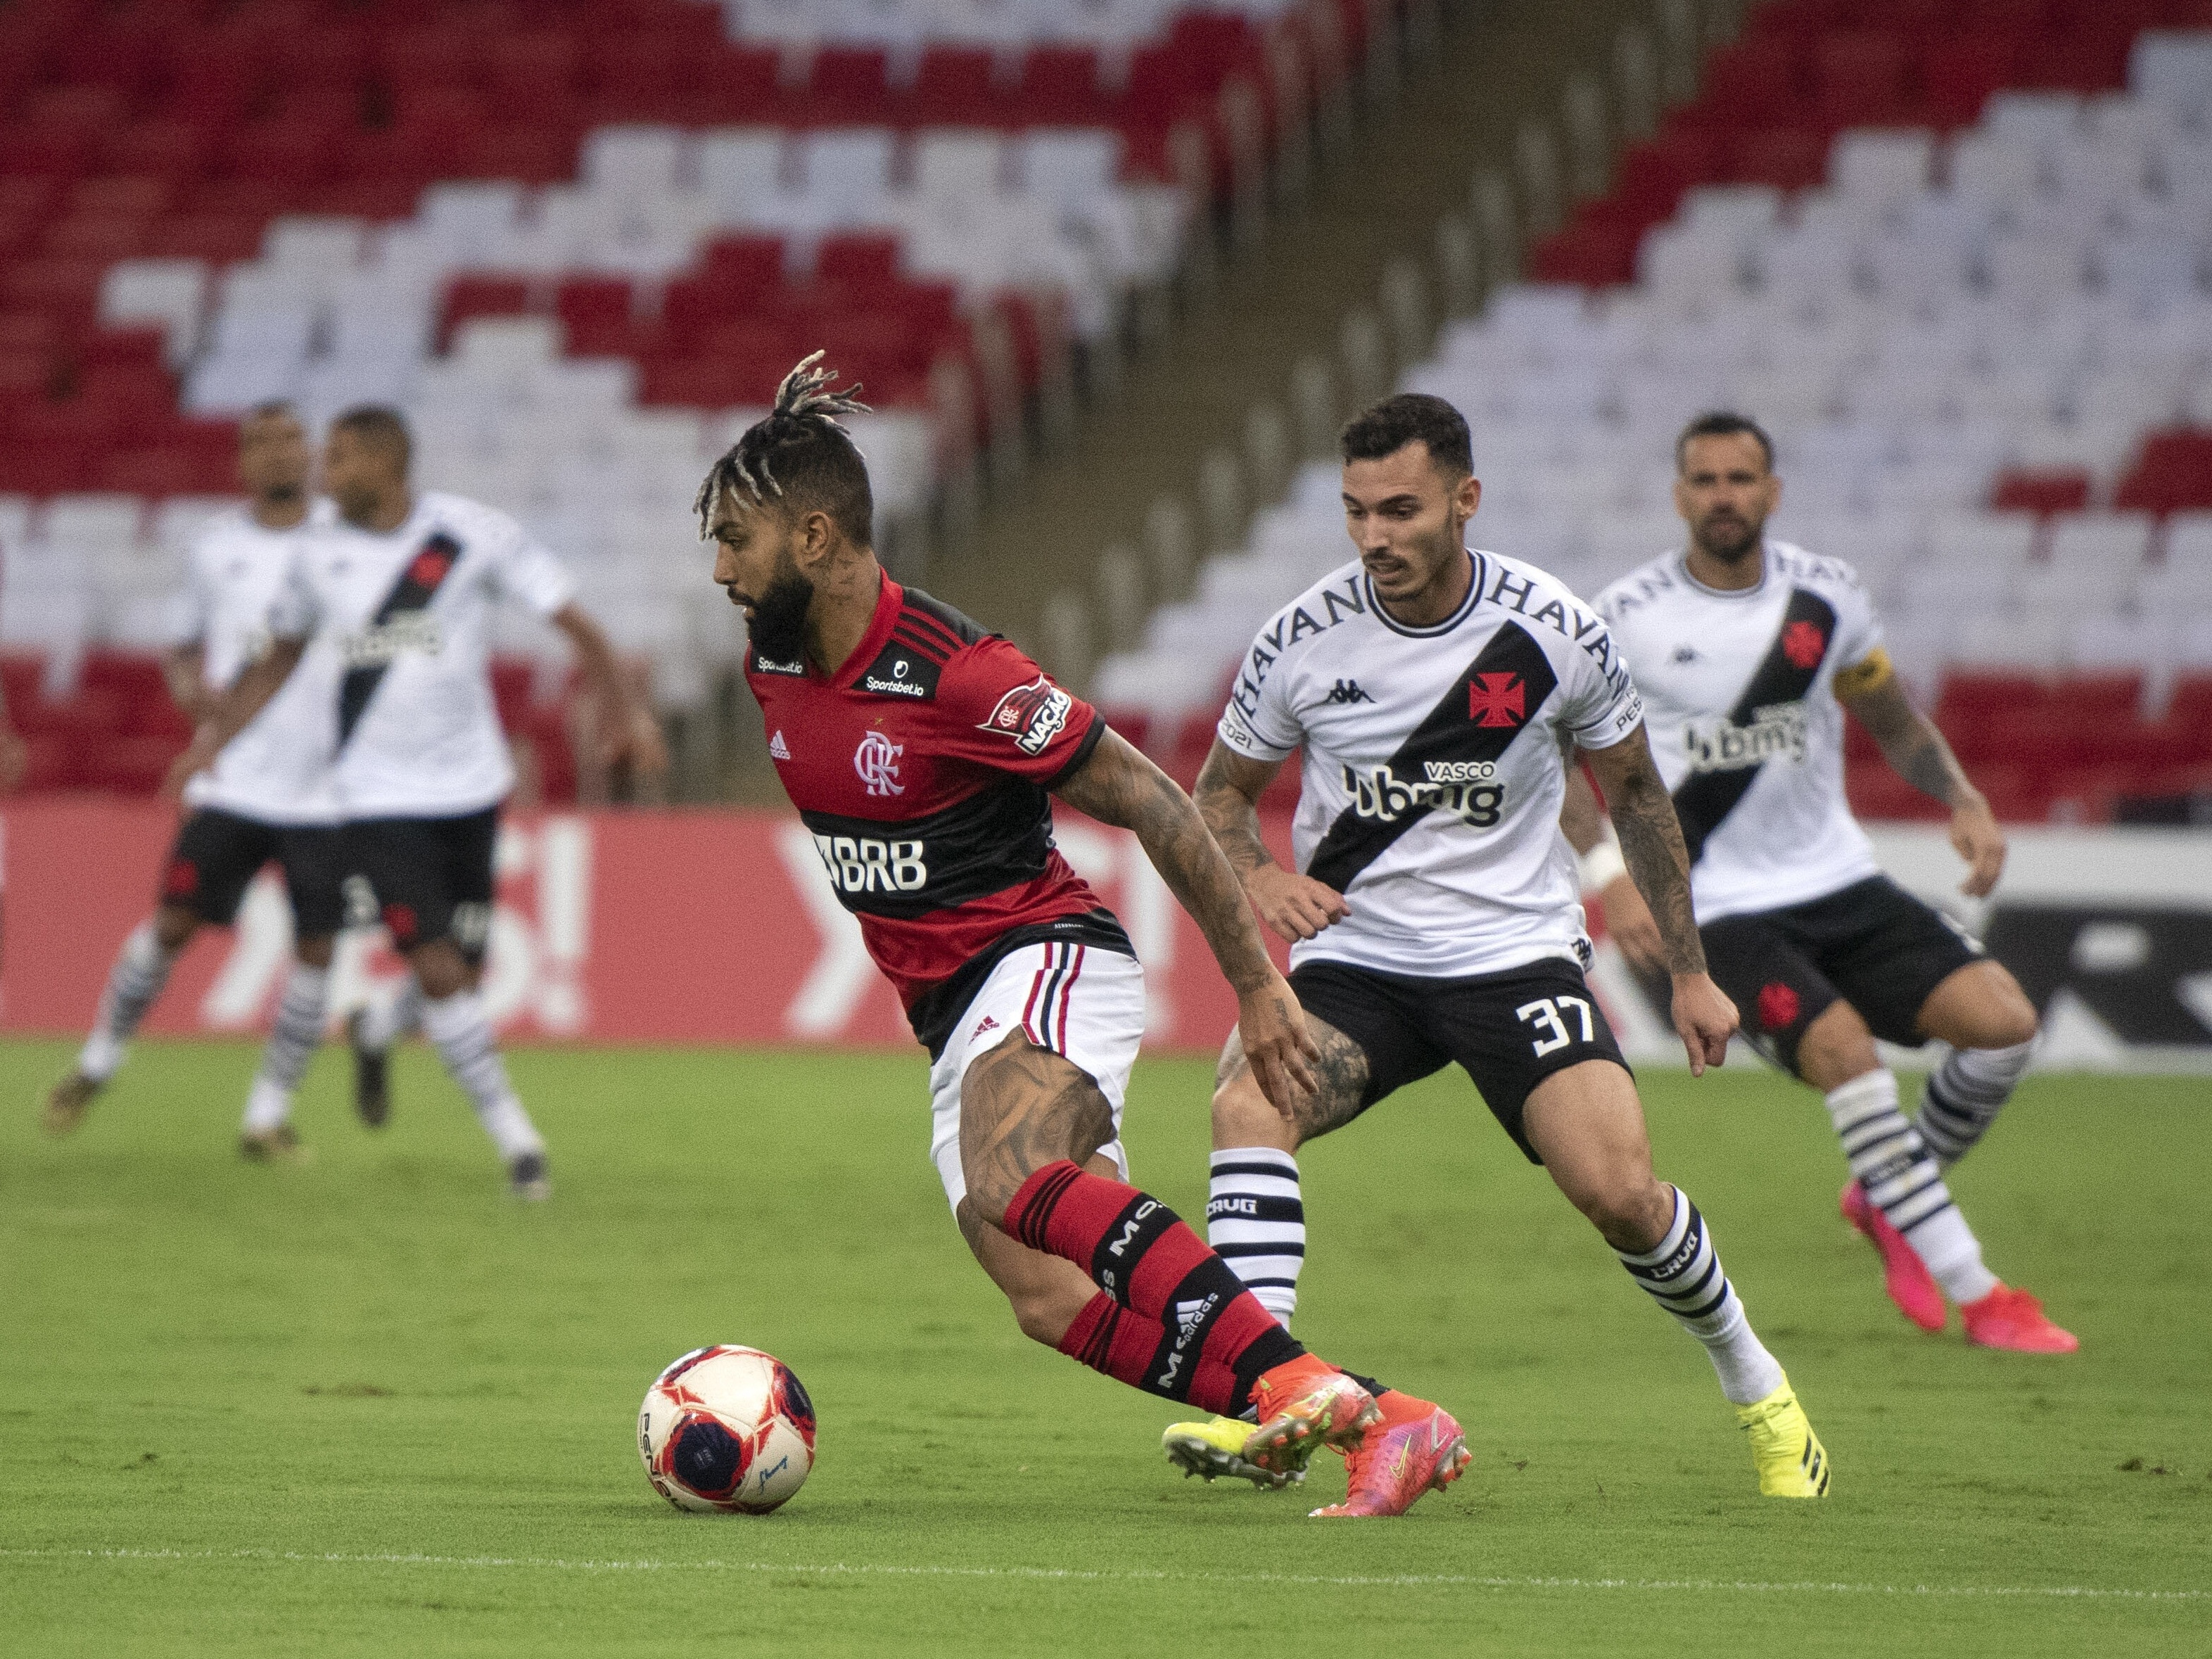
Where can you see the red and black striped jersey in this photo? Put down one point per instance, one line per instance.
(921, 766)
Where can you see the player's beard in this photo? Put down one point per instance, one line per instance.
(778, 623)
(1733, 544)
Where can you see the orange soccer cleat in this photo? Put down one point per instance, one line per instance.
(2006, 1318)
(1303, 1405)
(1903, 1274)
(1414, 1447)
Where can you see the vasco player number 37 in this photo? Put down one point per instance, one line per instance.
(921, 751)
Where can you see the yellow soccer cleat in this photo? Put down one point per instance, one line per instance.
(1210, 1450)
(1791, 1460)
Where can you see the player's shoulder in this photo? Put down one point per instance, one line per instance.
(932, 651)
(1339, 598)
(1651, 583)
(469, 521)
(1540, 601)
(1822, 572)
(229, 531)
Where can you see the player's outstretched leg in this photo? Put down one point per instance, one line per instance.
(1898, 1198)
(1587, 1125)
(141, 969)
(1170, 1317)
(267, 1134)
(1990, 1026)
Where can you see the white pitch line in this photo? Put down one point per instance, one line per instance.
(1389, 1581)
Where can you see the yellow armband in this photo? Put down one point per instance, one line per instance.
(1871, 673)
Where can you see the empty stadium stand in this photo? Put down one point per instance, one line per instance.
(1954, 256)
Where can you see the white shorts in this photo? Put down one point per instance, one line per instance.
(1081, 1002)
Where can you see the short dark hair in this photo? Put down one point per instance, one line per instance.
(1386, 428)
(802, 455)
(380, 427)
(1722, 423)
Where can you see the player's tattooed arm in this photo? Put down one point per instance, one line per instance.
(1659, 863)
(234, 711)
(1118, 786)
(1917, 752)
(1230, 786)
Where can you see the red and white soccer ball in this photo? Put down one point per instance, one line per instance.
(726, 1429)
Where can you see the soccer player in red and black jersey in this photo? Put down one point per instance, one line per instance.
(922, 752)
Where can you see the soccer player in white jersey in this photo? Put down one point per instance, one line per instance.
(1436, 693)
(266, 797)
(1749, 651)
(386, 621)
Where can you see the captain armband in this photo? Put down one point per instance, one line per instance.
(1602, 864)
(1870, 673)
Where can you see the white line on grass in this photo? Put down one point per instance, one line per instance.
(1389, 1581)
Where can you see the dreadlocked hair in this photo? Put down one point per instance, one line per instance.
(801, 455)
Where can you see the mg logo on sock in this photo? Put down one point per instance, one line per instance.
(1132, 1227)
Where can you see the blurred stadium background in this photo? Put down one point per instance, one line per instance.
(1112, 271)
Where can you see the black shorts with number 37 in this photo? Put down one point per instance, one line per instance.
(1509, 1031)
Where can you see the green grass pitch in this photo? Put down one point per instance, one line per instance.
(371, 1406)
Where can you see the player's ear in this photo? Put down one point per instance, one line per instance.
(1467, 497)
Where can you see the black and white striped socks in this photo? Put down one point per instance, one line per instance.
(1963, 1095)
(1902, 1180)
(141, 969)
(1684, 1276)
(1255, 1221)
(292, 1044)
(461, 1031)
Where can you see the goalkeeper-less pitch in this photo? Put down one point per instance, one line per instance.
(372, 1406)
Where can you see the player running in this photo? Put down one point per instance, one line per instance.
(385, 627)
(1436, 693)
(922, 752)
(266, 796)
(1751, 650)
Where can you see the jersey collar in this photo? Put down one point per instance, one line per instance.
(888, 598)
(1474, 586)
(1765, 569)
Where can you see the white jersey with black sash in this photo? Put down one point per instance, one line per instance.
(1738, 688)
(1434, 763)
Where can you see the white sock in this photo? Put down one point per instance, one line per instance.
(1902, 1180)
(1255, 1221)
(385, 1022)
(141, 969)
(1963, 1095)
(1684, 1277)
(292, 1044)
(461, 1031)
(268, 1107)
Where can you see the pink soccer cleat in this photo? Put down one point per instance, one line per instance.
(1903, 1274)
(1414, 1447)
(2006, 1318)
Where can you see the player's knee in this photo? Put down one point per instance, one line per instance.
(2009, 1021)
(1242, 1115)
(1630, 1211)
(174, 925)
(1042, 1318)
(1835, 1049)
(440, 970)
(316, 952)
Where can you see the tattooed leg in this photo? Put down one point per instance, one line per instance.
(1255, 1218)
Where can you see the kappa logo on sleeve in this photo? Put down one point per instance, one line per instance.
(1032, 715)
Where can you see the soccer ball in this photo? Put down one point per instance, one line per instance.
(727, 1428)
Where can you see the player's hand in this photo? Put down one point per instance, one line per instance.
(1628, 921)
(1277, 1047)
(636, 738)
(1296, 906)
(197, 758)
(14, 758)
(1974, 832)
(1705, 1019)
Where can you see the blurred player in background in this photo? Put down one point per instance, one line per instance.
(384, 625)
(265, 796)
(922, 751)
(1749, 651)
(1432, 916)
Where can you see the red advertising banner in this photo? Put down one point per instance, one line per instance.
(661, 927)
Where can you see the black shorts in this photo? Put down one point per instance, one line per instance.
(217, 854)
(1507, 1031)
(1873, 945)
(432, 876)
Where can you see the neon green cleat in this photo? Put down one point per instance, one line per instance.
(1791, 1460)
(1210, 1450)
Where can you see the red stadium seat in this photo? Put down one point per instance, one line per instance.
(1061, 87)
(482, 296)
(2172, 473)
(2044, 490)
(848, 85)
(958, 87)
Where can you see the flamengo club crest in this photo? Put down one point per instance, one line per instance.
(876, 762)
